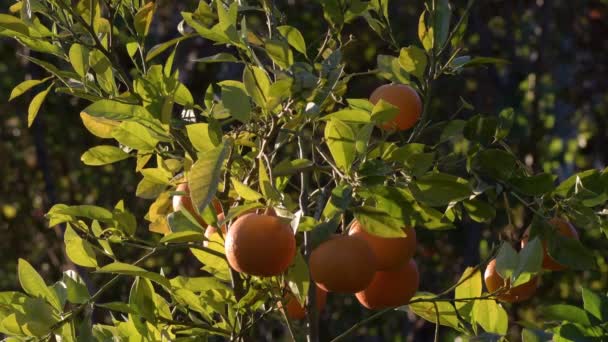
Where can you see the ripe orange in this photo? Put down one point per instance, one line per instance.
(296, 311)
(185, 202)
(343, 264)
(260, 245)
(403, 97)
(518, 293)
(390, 253)
(212, 230)
(391, 288)
(565, 229)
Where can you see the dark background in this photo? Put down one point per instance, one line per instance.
(556, 81)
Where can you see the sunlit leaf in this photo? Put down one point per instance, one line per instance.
(35, 105)
(103, 154)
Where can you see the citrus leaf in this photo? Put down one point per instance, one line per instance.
(24, 86)
(34, 107)
(205, 175)
(134, 271)
(491, 316)
(78, 250)
(294, 38)
(341, 142)
(102, 155)
(33, 284)
(244, 191)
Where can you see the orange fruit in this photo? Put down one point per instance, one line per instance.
(260, 245)
(297, 311)
(518, 293)
(185, 202)
(391, 288)
(212, 230)
(390, 253)
(343, 264)
(403, 97)
(564, 228)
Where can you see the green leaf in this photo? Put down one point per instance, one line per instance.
(595, 304)
(239, 210)
(413, 60)
(205, 175)
(157, 175)
(294, 38)
(563, 312)
(470, 287)
(34, 107)
(219, 58)
(529, 263)
(143, 19)
(298, 278)
(447, 313)
(505, 122)
(570, 253)
(383, 112)
(266, 186)
(441, 22)
(491, 316)
(279, 52)
(479, 211)
(183, 221)
(33, 284)
(425, 34)
(481, 129)
(378, 222)
(12, 23)
(24, 86)
(141, 299)
(244, 191)
(77, 292)
(216, 265)
(88, 211)
(134, 135)
(160, 48)
(389, 68)
(78, 250)
(99, 127)
(507, 261)
(536, 185)
(257, 85)
(79, 58)
(589, 179)
(235, 99)
(439, 189)
(497, 164)
(134, 271)
(183, 236)
(102, 155)
(198, 284)
(103, 71)
(202, 137)
(349, 115)
(341, 142)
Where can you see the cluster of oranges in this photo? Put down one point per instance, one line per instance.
(495, 283)
(379, 271)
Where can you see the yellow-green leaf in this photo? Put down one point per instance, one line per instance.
(24, 86)
(35, 105)
(78, 250)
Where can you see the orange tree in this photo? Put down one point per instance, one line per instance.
(285, 165)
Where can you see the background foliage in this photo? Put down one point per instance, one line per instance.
(555, 81)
